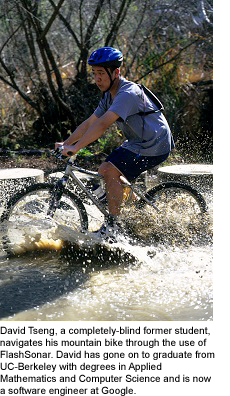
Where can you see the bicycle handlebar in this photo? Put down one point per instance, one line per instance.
(58, 154)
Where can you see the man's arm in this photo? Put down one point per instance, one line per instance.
(94, 131)
(79, 132)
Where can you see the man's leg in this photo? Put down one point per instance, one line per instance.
(113, 185)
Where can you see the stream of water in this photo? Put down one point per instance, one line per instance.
(70, 278)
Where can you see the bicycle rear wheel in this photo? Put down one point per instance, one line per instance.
(26, 219)
(179, 214)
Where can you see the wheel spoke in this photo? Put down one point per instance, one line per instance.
(27, 216)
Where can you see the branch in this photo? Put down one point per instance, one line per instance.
(13, 85)
(67, 25)
(116, 24)
(47, 56)
(52, 18)
(168, 61)
(93, 22)
(9, 38)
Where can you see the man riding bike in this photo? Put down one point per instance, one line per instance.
(148, 136)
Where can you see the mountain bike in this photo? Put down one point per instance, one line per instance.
(51, 204)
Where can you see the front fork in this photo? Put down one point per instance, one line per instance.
(56, 195)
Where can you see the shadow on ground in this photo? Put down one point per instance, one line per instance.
(36, 278)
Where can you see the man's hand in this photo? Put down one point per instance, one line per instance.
(58, 144)
(68, 151)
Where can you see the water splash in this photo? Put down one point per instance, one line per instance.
(62, 274)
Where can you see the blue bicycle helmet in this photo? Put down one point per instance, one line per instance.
(106, 57)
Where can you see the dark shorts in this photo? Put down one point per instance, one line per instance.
(131, 165)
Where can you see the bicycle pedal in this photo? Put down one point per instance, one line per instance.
(139, 204)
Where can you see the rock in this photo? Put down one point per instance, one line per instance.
(14, 179)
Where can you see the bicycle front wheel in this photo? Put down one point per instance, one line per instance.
(178, 214)
(26, 218)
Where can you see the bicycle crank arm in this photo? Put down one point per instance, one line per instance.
(151, 204)
(140, 203)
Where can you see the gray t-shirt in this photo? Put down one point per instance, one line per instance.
(148, 135)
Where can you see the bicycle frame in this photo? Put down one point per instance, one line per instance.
(69, 172)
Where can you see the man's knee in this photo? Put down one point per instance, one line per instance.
(108, 170)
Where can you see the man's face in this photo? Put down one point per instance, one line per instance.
(101, 77)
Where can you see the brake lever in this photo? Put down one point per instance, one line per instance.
(58, 153)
